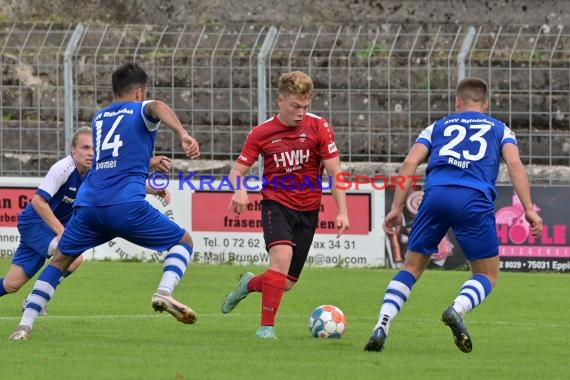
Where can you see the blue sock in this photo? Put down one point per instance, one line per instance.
(43, 291)
(175, 264)
(472, 293)
(3, 291)
(396, 295)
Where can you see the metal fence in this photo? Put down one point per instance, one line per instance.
(379, 86)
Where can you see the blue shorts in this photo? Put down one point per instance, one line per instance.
(32, 252)
(466, 211)
(138, 222)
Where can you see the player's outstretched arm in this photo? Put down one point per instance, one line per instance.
(519, 180)
(160, 110)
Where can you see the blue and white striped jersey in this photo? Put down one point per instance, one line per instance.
(59, 187)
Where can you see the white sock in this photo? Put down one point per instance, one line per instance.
(472, 293)
(396, 295)
(175, 264)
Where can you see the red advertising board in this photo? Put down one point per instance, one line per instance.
(12, 202)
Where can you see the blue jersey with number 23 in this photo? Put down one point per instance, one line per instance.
(465, 150)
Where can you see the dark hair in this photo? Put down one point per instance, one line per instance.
(472, 89)
(126, 76)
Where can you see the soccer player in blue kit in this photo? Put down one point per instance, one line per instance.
(43, 220)
(463, 152)
(111, 202)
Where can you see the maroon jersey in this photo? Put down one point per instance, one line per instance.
(292, 159)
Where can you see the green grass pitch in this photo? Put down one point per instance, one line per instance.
(101, 326)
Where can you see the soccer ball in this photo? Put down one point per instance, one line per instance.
(327, 321)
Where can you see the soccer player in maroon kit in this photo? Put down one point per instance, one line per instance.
(296, 146)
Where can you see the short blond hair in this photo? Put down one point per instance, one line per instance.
(295, 83)
(80, 131)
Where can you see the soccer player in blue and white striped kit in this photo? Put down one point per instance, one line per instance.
(463, 152)
(111, 202)
(43, 220)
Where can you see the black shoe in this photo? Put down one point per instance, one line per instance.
(376, 341)
(452, 319)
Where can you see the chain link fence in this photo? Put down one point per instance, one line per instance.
(379, 86)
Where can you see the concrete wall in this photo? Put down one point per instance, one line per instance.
(292, 12)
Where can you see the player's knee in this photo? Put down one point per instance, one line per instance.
(76, 263)
(187, 239)
(61, 261)
(13, 285)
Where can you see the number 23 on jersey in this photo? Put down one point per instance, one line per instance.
(459, 133)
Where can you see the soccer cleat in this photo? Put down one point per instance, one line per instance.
(239, 293)
(163, 302)
(452, 319)
(376, 341)
(25, 302)
(21, 333)
(266, 332)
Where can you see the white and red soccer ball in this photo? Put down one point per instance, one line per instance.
(327, 321)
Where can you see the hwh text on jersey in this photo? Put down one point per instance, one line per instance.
(292, 160)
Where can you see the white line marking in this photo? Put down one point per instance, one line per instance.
(290, 316)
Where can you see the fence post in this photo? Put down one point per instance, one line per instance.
(262, 81)
(262, 74)
(465, 46)
(69, 110)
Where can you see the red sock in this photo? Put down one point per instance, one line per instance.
(273, 288)
(255, 284)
